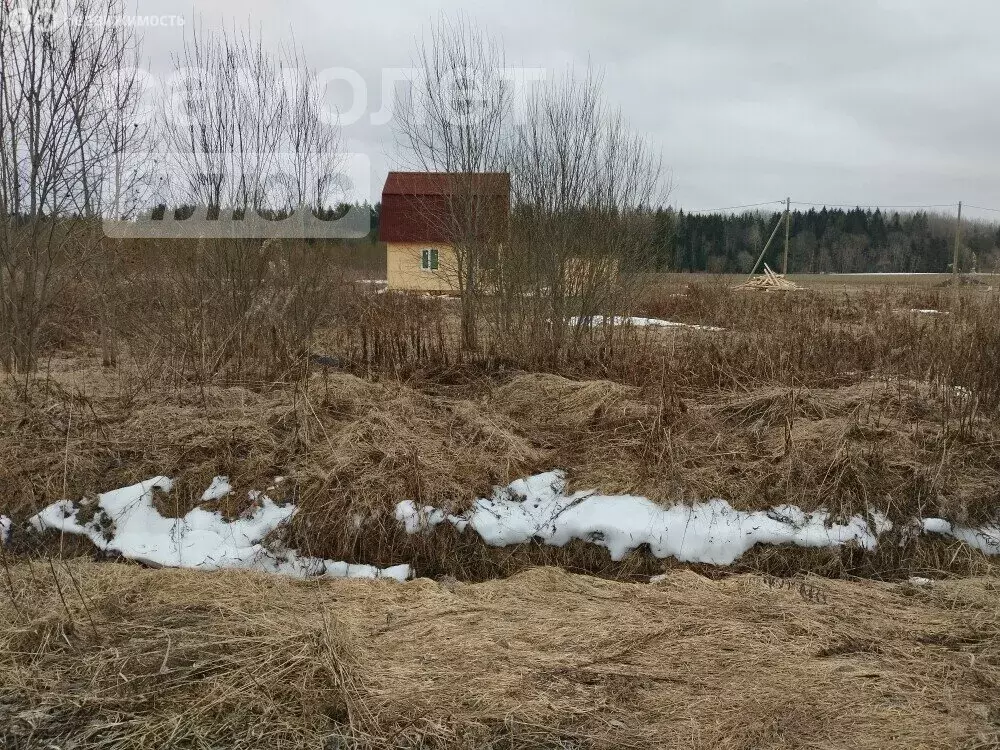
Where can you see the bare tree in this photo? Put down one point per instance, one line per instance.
(582, 186)
(244, 127)
(110, 133)
(455, 120)
(314, 145)
(58, 134)
(224, 125)
(245, 132)
(112, 137)
(582, 226)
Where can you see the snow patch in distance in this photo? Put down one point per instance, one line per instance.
(617, 320)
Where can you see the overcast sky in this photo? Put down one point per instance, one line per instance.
(839, 101)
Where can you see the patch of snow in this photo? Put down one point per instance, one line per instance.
(936, 526)
(889, 273)
(617, 320)
(126, 521)
(922, 582)
(986, 539)
(658, 579)
(218, 489)
(5, 528)
(539, 508)
(416, 519)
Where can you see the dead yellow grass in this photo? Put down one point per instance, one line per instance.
(819, 400)
(546, 402)
(358, 445)
(121, 657)
(353, 448)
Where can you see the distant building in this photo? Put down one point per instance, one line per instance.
(419, 225)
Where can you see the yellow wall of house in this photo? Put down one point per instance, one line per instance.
(403, 269)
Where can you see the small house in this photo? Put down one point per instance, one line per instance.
(423, 218)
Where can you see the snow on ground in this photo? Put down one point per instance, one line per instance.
(535, 508)
(890, 273)
(712, 532)
(986, 539)
(126, 521)
(5, 526)
(219, 488)
(618, 320)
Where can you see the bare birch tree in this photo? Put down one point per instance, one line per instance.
(246, 133)
(223, 124)
(582, 185)
(455, 120)
(244, 126)
(59, 131)
(314, 146)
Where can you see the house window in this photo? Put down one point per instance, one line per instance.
(429, 259)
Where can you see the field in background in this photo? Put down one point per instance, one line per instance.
(853, 282)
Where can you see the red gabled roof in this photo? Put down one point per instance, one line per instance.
(445, 183)
(417, 206)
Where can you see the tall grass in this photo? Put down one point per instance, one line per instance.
(256, 361)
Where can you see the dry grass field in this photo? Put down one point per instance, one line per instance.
(855, 282)
(113, 656)
(819, 398)
(847, 396)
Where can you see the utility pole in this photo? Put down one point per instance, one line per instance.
(770, 239)
(788, 231)
(958, 242)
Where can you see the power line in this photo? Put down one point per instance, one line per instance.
(873, 205)
(733, 208)
(868, 206)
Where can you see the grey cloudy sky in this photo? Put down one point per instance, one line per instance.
(837, 101)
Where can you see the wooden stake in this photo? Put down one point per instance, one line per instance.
(958, 243)
(766, 246)
(788, 231)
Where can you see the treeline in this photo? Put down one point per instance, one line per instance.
(186, 211)
(822, 241)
